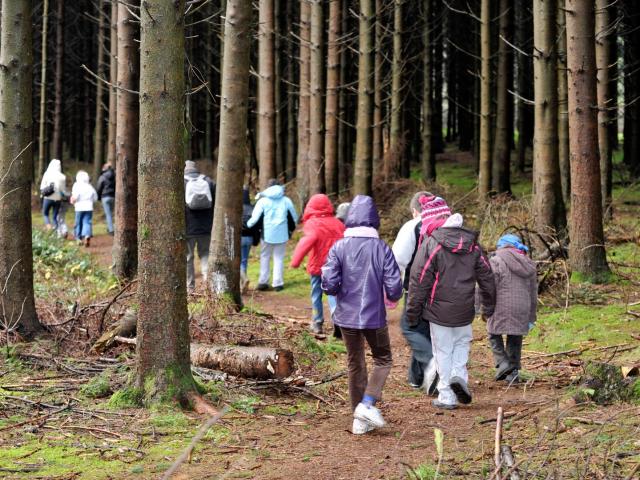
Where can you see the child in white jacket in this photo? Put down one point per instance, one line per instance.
(82, 197)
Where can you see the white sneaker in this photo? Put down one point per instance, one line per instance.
(430, 382)
(369, 414)
(361, 427)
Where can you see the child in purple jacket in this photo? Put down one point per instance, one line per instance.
(362, 273)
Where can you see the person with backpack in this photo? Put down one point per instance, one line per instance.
(321, 231)
(52, 185)
(363, 275)
(107, 194)
(200, 194)
(250, 237)
(422, 371)
(278, 217)
(82, 197)
(442, 285)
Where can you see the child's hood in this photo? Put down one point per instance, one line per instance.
(319, 206)
(363, 213)
(274, 192)
(82, 177)
(518, 263)
(456, 239)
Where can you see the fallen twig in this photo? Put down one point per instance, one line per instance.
(498, 440)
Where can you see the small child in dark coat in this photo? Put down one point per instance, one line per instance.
(516, 300)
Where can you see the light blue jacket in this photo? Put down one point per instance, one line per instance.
(274, 205)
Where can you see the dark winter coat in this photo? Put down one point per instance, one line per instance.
(443, 279)
(360, 270)
(106, 184)
(200, 222)
(516, 293)
(321, 231)
(247, 211)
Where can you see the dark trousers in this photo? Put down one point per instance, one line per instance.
(509, 353)
(380, 345)
(419, 339)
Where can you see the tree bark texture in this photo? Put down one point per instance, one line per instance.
(376, 133)
(522, 35)
(501, 175)
(224, 256)
(261, 363)
(603, 62)
(113, 80)
(631, 131)
(56, 142)
(363, 163)
(17, 305)
(331, 108)
(163, 326)
(316, 110)
(428, 153)
(302, 167)
(563, 114)
(587, 251)
(266, 93)
(548, 207)
(396, 137)
(484, 173)
(98, 135)
(42, 124)
(125, 244)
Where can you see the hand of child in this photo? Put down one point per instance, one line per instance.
(389, 304)
(531, 325)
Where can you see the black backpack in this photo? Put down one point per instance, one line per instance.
(48, 190)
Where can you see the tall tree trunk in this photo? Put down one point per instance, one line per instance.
(396, 137)
(377, 89)
(279, 93)
(316, 113)
(548, 207)
(292, 104)
(563, 114)
(125, 244)
(333, 84)
(587, 253)
(603, 62)
(631, 131)
(344, 130)
(224, 259)
(302, 168)
(501, 176)
(209, 45)
(56, 143)
(437, 68)
(17, 305)
(266, 94)
(522, 39)
(163, 324)
(113, 80)
(484, 177)
(98, 136)
(363, 160)
(428, 153)
(43, 91)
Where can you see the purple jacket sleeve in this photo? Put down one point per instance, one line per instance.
(332, 272)
(392, 279)
(486, 283)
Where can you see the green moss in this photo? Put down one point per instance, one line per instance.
(246, 404)
(170, 420)
(595, 278)
(97, 387)
(128, 397)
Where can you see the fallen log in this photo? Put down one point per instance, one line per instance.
(125, 327)
(248, 362)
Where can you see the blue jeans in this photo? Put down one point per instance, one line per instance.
(316, 300)
(108, 204)
(419, 339)
(83, 226)
(50, 207)
(245, 247)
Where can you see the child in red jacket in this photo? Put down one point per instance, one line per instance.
(321, 230)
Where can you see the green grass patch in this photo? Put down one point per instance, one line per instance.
(98, 387)
(424, 471)
(128, 397)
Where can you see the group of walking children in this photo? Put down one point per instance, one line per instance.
(448, 279)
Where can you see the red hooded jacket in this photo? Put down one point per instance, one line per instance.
(321, 230)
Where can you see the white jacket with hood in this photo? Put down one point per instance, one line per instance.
(83, 194)
(54, 175)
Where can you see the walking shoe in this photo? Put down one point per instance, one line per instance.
(279, 288)
(361, 427)
(431, 378)
(513, 377)
(263, 287)
(369, 414)
(316, 328)
(503, 369)
(444, 406)
(460, 388)
(337, 333)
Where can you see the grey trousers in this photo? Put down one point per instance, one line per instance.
(201, 243)
(509, 353)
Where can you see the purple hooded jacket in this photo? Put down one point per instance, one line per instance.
(360, 270)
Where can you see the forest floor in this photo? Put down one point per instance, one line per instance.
(65, 411)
